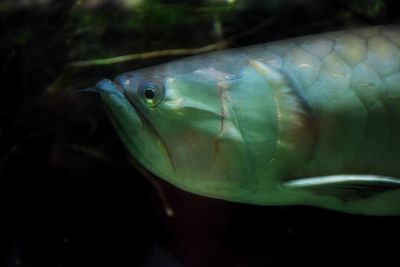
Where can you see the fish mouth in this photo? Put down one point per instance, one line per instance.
(135, 128)
(149, 127)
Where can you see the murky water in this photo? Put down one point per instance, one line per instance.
(70, 193)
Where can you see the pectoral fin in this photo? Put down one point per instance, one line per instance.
(346, 187)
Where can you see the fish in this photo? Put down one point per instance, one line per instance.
(311, 120)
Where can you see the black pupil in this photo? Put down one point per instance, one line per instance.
(149, 93)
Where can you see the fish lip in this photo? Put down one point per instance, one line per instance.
(109, 87)
(119, 87)
(126, 83)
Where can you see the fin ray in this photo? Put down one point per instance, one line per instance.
(346, 187)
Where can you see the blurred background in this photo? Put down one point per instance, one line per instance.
(70, 195)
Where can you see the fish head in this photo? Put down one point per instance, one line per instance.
(222, 129)
(179, 126)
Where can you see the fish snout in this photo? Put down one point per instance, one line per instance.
(109, 87)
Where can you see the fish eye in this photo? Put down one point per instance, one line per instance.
(151, 92)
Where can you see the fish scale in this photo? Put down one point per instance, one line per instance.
(322, 67)
(350, 76)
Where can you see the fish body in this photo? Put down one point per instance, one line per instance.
(312, 120)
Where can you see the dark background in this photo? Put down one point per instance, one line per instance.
(70, 194)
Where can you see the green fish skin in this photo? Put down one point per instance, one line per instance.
(313, 120)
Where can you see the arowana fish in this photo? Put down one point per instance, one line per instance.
(312, 120)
